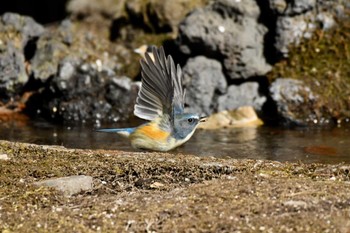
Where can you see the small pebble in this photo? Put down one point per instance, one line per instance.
(156, 185)
(4, 157)
(68, 185)
(295, 204)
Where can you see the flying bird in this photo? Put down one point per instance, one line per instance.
(160, 101)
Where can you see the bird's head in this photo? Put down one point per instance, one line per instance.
(186, 124)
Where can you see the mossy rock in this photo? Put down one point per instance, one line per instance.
(323, 64)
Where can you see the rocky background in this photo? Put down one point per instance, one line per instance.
(73, 61)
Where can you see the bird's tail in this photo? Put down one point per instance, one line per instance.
(123, 131)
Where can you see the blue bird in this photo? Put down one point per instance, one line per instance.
(160, 101)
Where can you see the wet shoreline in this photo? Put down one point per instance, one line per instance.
(308, 145)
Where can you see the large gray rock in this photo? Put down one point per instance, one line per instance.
(13, 74)
(229, 31)
(52, 48)
(19, 29)
(298, 19)
(291, 30)
(107, 8)
(161, 15)
(294, 7)
(293, 100)
(297, 7)
(204, 81)
(230, 8)
(78, 72)
(82, 93)
(15, 33)
(46, 59)
(246, 94)
(289, 90)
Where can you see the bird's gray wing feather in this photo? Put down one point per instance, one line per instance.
(161, 90)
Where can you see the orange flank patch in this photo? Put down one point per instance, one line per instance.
(151, 131)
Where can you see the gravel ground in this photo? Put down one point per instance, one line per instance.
(164, 192)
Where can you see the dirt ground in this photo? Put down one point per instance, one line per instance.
(164, 192)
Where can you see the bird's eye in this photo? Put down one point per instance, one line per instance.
(190, 120)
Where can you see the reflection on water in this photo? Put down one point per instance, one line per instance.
(305, 145)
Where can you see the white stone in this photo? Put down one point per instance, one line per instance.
(68, 185)
(4, 157)
(295, 204)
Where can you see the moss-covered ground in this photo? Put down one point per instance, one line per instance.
(163, 192)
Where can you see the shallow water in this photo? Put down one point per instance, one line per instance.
(305, 145)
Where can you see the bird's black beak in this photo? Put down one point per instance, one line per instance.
(203, 119)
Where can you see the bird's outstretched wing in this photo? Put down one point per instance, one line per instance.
(161, 89)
